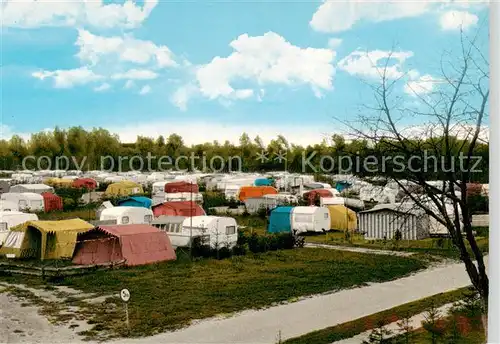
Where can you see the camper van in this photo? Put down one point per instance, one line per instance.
(9, 219)
(310, 219)
(216, 231)
(35, 188)
(25, 200)
(127, 215)
(232, 191)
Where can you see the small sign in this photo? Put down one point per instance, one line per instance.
(125, 295)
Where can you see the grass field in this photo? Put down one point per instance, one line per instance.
(355, 327)
(169, 295)
(434, 246)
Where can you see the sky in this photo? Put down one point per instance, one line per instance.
(211, 70)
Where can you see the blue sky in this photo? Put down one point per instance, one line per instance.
(211, 70)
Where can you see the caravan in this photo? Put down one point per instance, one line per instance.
(310, 219)
(25, 200)
(9, 219)
(216, 231)
(127, 215)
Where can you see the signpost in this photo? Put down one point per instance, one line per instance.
(125, 296)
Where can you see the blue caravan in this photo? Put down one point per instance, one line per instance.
(262, 182)
(135, 201)
(341, 186)
(280, 220)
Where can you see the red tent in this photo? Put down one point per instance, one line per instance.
(87, 183)
(181, 187)
(51, 202)
(137, 244)
(312, 195)
(474, 189)
(180, 208)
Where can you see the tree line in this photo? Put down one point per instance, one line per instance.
(85, 148)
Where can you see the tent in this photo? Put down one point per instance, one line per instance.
(182, 208)
(124, 188)
(44, 239)
(280, 220)
(137, 244)
(135, 201)
(52, 202)
(59, 182)
(342, 185)
(255, 191)
(182, 186)
(262, 182)
(313, 195)
(86, 183)
(342, 218)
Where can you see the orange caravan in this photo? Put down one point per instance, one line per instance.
(255, 192)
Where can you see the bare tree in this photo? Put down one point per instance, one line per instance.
(451, 111)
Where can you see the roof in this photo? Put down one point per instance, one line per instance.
(403, 208)
(124, 210)
(28, 195)
(140, 199)
(124, 230)
(178, 205)
(306, 210)
(321, 192)
(282, 210)
(33, 186)
(73, 225)
(168, 219)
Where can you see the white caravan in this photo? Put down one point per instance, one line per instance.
(9, 219)
(127, 215)
(25, 201)
(35, 188)
(310, 219)
(8, 206)
(216, 231)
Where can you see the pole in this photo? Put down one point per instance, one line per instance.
(126, 316)
(191, 227)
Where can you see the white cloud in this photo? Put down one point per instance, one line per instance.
(337, 16)
(6, 133)
(129, 84)
(421, 85)
(198, 131)
(456, 20)
(136, 74)
(70, 77)
(334, 43)
(93, 48)
(145, 90)
(372, 64)
(38, 13)
(265, 59)
(103, 87)
(181, 96)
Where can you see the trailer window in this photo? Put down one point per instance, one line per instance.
(178, 227)
(303, 218)
(326, 216)
(230, 230)
(148, 218)
(3, 226)
(125, 220)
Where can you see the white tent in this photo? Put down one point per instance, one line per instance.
(25, 200)
(310, 219)
(9, 219)
(35, 188)
(127, 215)
(217, 231)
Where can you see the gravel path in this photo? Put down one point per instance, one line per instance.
(361, 250)
(295, 319)
(24, 325)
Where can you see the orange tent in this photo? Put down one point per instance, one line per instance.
(255, 191)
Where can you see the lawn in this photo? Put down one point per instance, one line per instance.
(169, 295)
(84, 214)
(434, 246)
